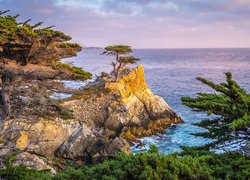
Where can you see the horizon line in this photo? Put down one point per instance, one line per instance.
(93, 47)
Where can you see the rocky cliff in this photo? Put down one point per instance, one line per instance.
(105, 118)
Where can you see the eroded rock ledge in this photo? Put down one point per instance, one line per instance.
(108, 117)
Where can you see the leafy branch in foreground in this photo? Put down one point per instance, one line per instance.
(190, 164)
(231, 105)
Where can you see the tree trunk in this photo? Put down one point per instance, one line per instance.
(116, 74)
(7, 88)
(118, 71)
(115, 69)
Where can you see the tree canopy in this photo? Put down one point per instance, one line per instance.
(23, 44)
(231, 105)
(117, 50)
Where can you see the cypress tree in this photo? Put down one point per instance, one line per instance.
(230, 104)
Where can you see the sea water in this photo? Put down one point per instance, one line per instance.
(171, 73)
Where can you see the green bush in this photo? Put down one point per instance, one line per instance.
(192, 163)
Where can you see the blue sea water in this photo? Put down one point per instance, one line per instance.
(171, 73)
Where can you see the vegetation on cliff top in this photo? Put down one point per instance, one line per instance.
(28, 52)
(11, 29)
(121, 52)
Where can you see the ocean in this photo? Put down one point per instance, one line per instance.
(171, 73)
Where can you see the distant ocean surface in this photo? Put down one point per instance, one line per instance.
(171, 73)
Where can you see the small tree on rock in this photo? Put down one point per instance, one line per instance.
(28, 52)
(123, 57)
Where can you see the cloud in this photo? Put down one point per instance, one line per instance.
(143, 23)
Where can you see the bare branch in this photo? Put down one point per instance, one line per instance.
(26, 22)
(3, 12)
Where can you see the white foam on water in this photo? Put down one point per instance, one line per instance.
(236, 145)
(74, 84)
(58, 96)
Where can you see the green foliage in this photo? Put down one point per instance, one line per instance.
(240, 123)
(47, 31)
(9, 159)
(128, 60)
(192, 163)
(121, 52)
(153, 149)
(230, 165)
(78, 73)
(12, 30)
(69, 45)
(117, 49)
(21, 172)
(231, 105)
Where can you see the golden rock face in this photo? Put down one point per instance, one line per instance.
(133, 83)
(141, 106)
(23, 140)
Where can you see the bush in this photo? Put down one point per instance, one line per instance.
(192, 163)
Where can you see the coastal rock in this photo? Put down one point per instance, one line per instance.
(42, 136)
(96, 146)
(105, 118)
(125, 103)
(33, 161)
(137, 105)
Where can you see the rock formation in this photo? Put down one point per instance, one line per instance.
(105, 119)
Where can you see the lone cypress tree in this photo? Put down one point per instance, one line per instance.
(27, 52)
(121, 52)
(231, 104)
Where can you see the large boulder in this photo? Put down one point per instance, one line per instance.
(96, 146)
(40, 136)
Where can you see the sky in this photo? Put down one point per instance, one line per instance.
(143, 23)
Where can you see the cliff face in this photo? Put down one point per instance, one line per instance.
(108, 116)
(138, 107)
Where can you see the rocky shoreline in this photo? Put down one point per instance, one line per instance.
(103, 121)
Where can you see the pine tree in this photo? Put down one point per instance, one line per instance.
(230, 104)
(28, 52)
